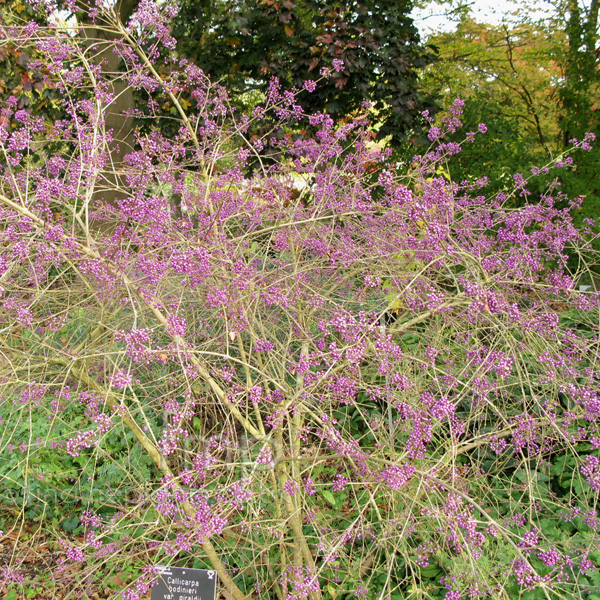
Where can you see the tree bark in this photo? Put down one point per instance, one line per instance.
(100, 39)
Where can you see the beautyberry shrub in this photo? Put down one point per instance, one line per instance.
(314, 371)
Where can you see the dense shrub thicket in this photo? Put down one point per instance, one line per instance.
(327, 376)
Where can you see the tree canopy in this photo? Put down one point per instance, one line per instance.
(535, 84)
(247, 42)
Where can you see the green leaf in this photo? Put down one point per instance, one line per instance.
(70, 523)
(329, 497)
(430, 572)
(533, 595)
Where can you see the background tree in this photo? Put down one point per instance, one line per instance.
(508, 78)
(580, 94)
(535, 83)
(371, 47)
(247, 42)
(579, 89)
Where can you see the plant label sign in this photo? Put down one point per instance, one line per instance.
(175, 583)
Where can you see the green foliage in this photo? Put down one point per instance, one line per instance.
(40, 476)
